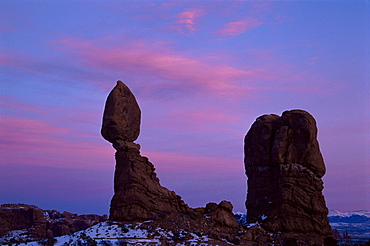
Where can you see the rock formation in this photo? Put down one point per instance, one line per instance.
(138, 195)
(137, 192)
(122, 115)
(13, 217)
(284, 166)
(40, 223)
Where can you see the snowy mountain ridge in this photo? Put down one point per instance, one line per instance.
(356, 223)
(333, 212)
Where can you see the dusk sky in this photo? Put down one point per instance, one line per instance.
(201, 71)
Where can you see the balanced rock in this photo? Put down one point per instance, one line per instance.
(284, 166)
(138, 194)
(121, 119)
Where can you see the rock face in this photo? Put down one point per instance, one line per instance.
(43, 223)
(138, 194)
(14, 217)
(284, 166)
(121, 120)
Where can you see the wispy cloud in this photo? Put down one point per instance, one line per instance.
(171, 68)
(186, 21)
(38, 142)
(163, 69)
(204, 119)
(186, 163)
(7, 60)
(239, 27)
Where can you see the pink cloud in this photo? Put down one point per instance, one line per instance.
(186, 21)
(7, 60)
(38, 142)
(239, 27)
(186, 163)
(313, 60)
(151, 60)
(78, 115)
(181, 73)
(203, 119)
(18, 106)
(92, 60)
(28, 134)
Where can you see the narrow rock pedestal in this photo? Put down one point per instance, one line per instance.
(138, 195)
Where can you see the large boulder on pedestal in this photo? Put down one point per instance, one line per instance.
(138, 194)
(122, 115)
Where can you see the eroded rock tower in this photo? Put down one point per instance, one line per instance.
(284, 166)
(137, 192)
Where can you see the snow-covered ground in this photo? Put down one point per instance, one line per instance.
(111, 233)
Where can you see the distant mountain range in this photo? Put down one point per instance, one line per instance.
(336, 213)
(357, 223)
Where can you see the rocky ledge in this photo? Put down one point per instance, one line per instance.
(37, 223)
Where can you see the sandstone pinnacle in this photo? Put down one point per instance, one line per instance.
(284, 166)
(138, 194)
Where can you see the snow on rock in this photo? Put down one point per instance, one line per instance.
(18, 235)
(113, 233)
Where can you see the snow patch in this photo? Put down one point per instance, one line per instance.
(112, 233)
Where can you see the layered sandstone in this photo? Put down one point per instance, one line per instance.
(284, 166)
(14, 217)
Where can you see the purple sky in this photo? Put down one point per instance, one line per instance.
(201, 71)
